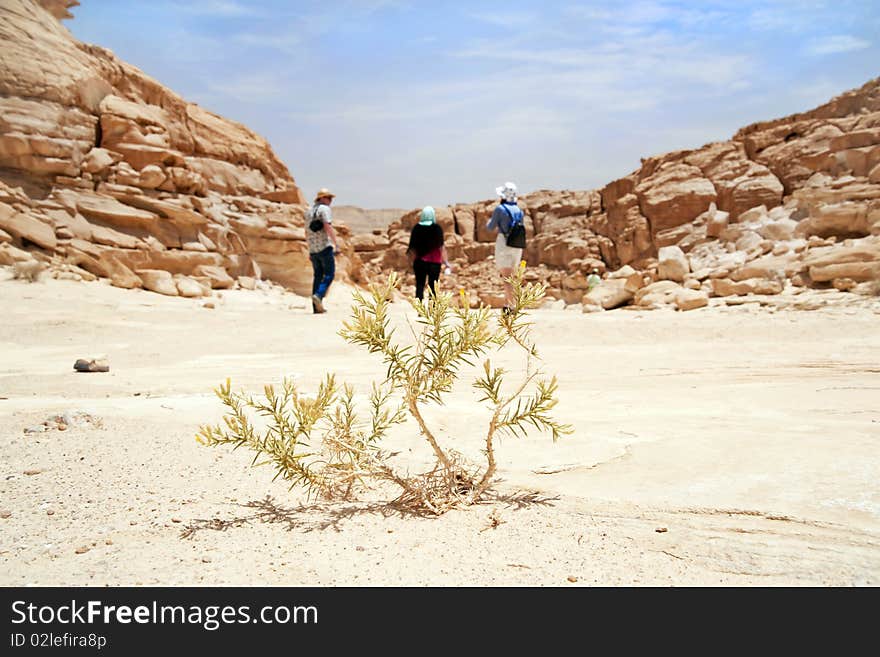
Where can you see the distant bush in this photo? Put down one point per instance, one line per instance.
(319, 442)
(28, 270)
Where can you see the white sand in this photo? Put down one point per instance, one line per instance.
(752, 437)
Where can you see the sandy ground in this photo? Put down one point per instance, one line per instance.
(750, 437)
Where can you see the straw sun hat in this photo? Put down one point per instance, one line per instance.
(324, 192)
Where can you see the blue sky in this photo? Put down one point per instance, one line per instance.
(393, 103)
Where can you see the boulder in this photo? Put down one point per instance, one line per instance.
(753, 215)
(610, 293)
(748, 241)
(724, 287)
(857, 271)
(847, 219)
(158, 280)
(120, 275)
(689, 299)
(657, 294)
(10, 254)
(99, 160)
(369, 242)
(27, 227)
(780, 230)
(187, 287)
(717, 223)
(675, 194)
(672, 264)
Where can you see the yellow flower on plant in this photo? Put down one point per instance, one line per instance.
(522, 264)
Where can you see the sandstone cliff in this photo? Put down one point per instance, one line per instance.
(795, 201)
(105, 169)
(105, 172)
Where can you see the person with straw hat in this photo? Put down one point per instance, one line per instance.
(427, 252)
(321, 239)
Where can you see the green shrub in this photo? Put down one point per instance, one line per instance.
(319, 442)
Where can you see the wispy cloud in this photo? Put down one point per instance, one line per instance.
(838, 43)
(256, 88)
(227, 8)
(289, 43)
(503, 18)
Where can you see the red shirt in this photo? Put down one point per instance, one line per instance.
(433, 256)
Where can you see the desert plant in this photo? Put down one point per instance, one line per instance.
(28, 270)
(320, 443)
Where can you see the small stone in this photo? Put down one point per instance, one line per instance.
(661, 530)
(360, 548)
(62, 427)
(40, 428)
(108, 542)
(208, 304)
(206, 559)
(5, 514)
(94, 365)
(390, 531)
(176, 520)
(50, 512)
(32, 472)
(572, 579)
(82, 549)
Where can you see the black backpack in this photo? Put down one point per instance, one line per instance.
(516, 235)
(316, 224)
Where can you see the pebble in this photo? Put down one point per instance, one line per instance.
(206, 559)
(50, 512)
(572, 578)
(176, 520)
(82, 549)
(32, 472)
(40, 428)
(661, 530)
(5, 514)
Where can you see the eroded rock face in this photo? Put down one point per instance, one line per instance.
(93, 150)
(103, 168)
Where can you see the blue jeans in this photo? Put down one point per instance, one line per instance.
(324, 268)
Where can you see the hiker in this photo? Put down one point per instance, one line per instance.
(593, 280)
(426, 251)
(323, 247)
(508, 219)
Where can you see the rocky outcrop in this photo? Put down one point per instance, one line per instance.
(102, 166)
(111, 174)
(737, 217)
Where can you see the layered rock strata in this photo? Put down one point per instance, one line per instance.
(105, 169)
(790, 202)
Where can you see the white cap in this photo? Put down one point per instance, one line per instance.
(507, 191)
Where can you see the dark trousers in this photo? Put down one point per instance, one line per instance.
(429, 270)
(324, 268)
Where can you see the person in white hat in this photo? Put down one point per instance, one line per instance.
(505, 217)
(321, 239)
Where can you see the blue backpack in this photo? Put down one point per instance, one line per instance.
(516, 234)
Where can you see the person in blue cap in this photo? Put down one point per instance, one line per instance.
(427, 251)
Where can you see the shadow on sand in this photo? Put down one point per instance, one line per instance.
(326, 515)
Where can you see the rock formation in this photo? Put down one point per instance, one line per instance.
(105, 172)
(103, 168)
(795, 201)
